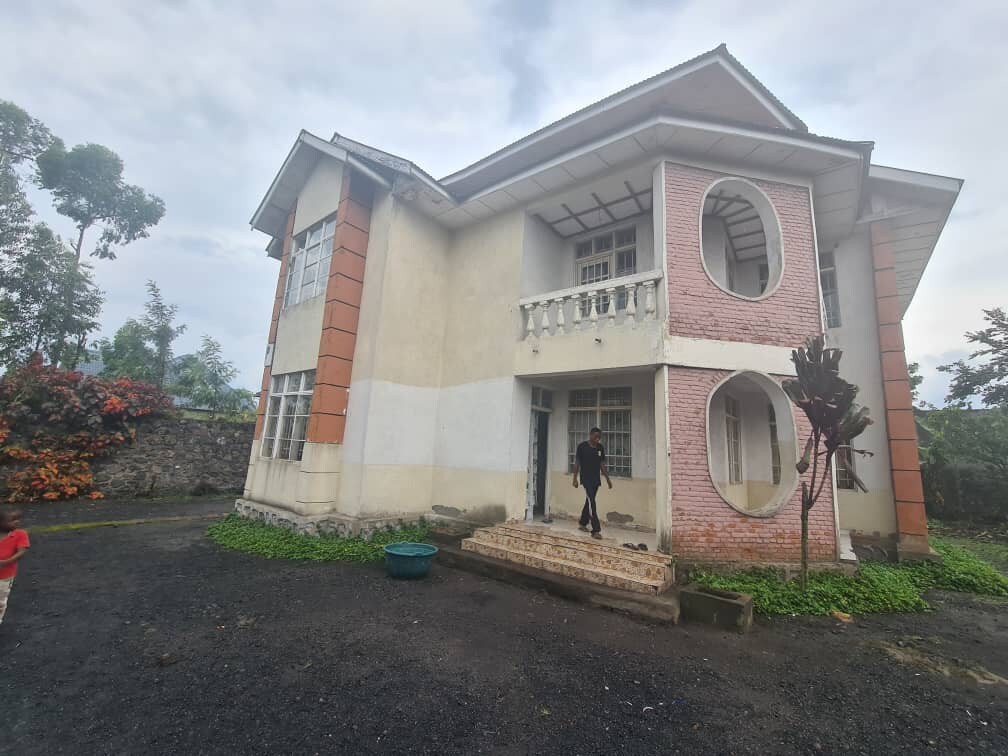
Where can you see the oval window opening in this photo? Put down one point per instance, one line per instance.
(740, 239)
(751, 444)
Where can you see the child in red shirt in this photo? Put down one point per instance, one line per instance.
(13, 545)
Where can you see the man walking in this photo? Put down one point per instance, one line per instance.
(589, 461)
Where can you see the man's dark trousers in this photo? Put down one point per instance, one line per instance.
(590, 512)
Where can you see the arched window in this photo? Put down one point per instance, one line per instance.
(751, 443)
(740, 239)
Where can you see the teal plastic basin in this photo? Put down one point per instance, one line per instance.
(409, 561)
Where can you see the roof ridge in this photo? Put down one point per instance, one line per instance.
(721, 49)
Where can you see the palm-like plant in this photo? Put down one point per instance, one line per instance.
(835, 419)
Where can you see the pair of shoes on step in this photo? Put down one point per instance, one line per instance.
(638, 547)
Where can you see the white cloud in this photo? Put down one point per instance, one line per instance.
(203, 99)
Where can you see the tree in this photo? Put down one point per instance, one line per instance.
(48, 303)
(988, 378)
(159, 323)
(834, 419)
(88, 187)
(22, 138)
(127, 354)
(203, 378)
(916, 379)
(969, 436)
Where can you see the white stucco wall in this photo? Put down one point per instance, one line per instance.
(874, 511)
(320, 196)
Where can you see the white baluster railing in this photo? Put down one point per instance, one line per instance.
(591, 306)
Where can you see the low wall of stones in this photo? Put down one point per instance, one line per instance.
(173, 456)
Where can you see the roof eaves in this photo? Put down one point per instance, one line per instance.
(390, 161)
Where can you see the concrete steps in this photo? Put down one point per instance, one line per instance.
(578, 558)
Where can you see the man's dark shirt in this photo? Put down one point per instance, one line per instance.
(590, 459)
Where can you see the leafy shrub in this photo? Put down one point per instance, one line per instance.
(255, 537)
(54, 422)
(878, 586)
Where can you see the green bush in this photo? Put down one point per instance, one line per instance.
(878, 587)
(255, 537)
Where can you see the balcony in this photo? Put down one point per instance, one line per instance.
(622, 301)
(599, 326)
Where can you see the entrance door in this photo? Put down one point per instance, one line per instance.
(540, 462)
(538, 470)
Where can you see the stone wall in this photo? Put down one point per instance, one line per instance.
(176, 456)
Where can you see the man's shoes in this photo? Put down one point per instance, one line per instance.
(583, 527)
(597, 536)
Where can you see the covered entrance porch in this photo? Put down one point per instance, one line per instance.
(562, 411)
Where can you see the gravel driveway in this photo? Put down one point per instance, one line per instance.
(150, 639)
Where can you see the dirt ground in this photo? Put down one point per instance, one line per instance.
(150, 639)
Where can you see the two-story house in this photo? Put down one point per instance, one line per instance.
(438, 348)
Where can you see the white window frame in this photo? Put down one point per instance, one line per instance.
(287, 410)
(830, 294)
(844, 481)
(311, 249)
(610, 409)
(733, 439)
(607, 257)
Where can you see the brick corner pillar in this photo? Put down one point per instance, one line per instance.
(327, 422)
(274, 321)
(908, 491)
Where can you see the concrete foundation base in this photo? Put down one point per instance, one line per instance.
(724, 609)
(326, 524)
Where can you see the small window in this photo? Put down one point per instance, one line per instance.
(733, 435)
(610, 410)
(830, 293)
(542, 398)
(287, 414)
(308, 268)
(843, 477)
(775, 468)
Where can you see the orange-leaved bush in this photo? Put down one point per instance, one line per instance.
(53, 422)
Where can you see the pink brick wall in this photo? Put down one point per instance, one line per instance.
(704, 526)
(699, 309)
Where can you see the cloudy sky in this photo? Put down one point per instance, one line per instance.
(203, 100)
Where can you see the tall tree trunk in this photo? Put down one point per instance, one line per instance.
(80, 243)
(804, 535)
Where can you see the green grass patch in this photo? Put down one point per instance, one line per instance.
(878, 586)
(995, 553)
(256, 537)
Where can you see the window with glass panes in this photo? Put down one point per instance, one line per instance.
(844, 479)
(287, 413)
(733, 435)
(308, 269)
(609, 410)
(830, 293)
(603, 257)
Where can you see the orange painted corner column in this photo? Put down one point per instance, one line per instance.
(908, 491)
(327, 421)
(275, 319)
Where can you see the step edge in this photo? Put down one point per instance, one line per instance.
(587, 568)
(639, 556)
